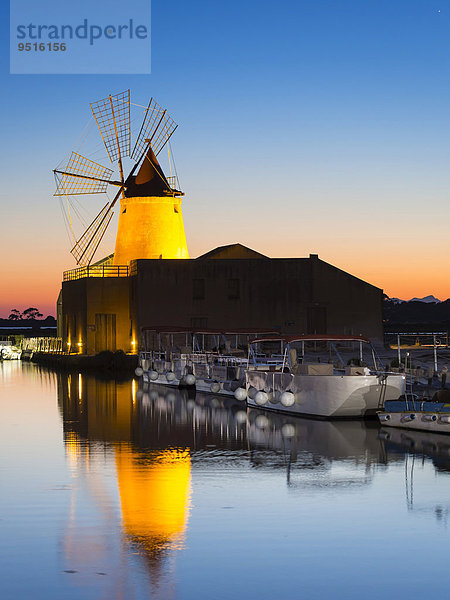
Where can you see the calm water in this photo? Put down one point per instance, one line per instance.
(113, 492)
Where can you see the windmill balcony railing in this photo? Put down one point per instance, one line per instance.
(96, 271)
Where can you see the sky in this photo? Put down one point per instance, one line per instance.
(304, 127)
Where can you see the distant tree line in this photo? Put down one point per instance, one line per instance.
(29, 313)
(416, 316)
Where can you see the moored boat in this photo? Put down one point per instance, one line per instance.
(422, 414)
(322, 376)
(163, 359)
(8, 351)
(214, 361)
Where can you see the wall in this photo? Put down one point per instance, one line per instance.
(294, 295)
(277, 294)
(83, 299)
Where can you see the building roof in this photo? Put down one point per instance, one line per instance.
(150, 180)
(232, 251)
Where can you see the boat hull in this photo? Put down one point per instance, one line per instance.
(419, 414)
(206, 386)
(209, 378)
(328, 396)
(162, 380)
(418, 421)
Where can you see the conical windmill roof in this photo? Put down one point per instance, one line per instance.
(150, 179)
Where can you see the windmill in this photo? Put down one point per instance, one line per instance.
(150, 219)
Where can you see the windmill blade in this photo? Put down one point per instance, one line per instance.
(112, 115)
(82, 176)
(156, 129)
(87, 245)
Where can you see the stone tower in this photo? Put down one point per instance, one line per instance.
(150, 218)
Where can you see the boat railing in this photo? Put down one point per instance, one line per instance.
(231, 361)
(214, 358)
(273, 381)
(196, 357)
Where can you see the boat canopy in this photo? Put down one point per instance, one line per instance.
(205, 331)
(289, 339)
(167, 329)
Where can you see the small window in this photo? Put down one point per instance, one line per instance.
(234, 289)
(198, 289)
(199, 322)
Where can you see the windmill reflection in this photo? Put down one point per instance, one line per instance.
(113, 451)
(154, 498)
(138, 445)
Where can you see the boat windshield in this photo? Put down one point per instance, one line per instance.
(342, 352)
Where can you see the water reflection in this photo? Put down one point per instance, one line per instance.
(416, 448)
(201, 421)
(315, 453)
(110, 442)
(422, 444)
(134, 454)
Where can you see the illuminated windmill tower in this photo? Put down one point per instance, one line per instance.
(150, 219)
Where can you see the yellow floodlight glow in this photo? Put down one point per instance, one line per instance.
(150, 227)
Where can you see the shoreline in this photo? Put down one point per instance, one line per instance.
(107, 362)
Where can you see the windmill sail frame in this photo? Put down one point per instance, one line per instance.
(156, 129)
(87, 245)
(82, 176)
(113, 118)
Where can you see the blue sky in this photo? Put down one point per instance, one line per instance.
(304, 127)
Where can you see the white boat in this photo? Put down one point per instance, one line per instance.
(422, 414)
(321, 375)
(211, 360)
(8, 351)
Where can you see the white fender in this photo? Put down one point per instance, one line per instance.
(261, 398)
(431, 418)
(240, 394)
(190, 379)
(287, 399)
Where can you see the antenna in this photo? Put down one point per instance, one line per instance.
(85, 176)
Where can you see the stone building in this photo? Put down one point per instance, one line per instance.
(105, 307)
